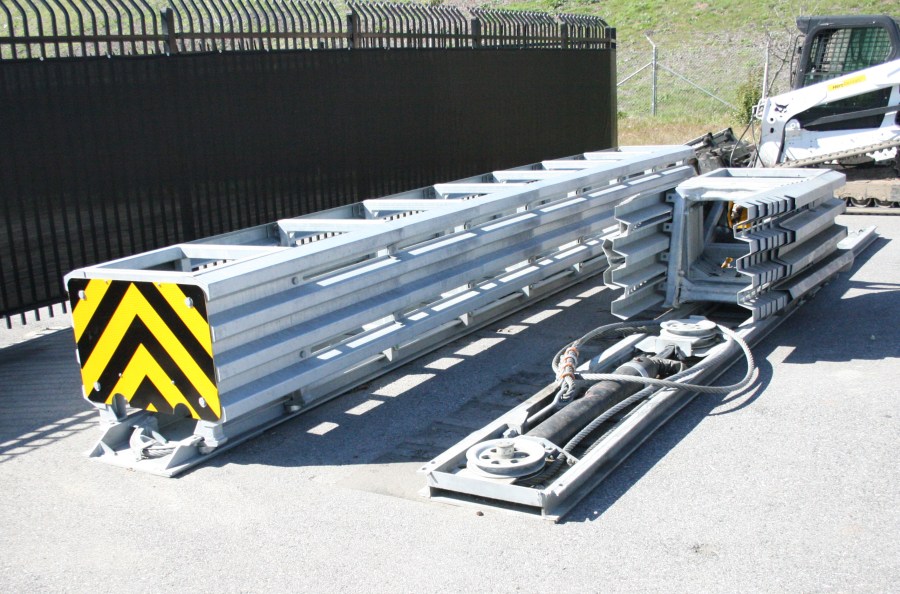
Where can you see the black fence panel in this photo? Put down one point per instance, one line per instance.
(65, 28)
(105, 157)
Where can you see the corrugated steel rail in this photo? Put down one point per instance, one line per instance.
(191, 348)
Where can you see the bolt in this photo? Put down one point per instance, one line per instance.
(506, 449)
(189, 302)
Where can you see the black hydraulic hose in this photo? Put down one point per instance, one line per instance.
(616, 329)
(565, 423)
(672, 382)
(732, 338)
(566, 360)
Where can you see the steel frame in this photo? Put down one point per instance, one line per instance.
(304, 309)
(648, 262)
(447, 482)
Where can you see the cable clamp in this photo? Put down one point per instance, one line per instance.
(570, 459)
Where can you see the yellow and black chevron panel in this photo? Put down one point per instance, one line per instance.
(149, 342)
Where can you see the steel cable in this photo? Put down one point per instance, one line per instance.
(749, 376)
(652, 384)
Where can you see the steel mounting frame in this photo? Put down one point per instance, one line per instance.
(647, 259)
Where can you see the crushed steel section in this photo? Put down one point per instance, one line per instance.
(758, 238)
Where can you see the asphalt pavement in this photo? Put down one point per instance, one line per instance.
(791, 487)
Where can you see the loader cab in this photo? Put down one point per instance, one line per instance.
(838, 45)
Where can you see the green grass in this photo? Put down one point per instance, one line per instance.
(687, 19)
(716, 44)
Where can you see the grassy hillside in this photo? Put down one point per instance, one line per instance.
(689, 18)
(719, 46)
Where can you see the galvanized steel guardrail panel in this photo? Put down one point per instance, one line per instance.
(239, 331)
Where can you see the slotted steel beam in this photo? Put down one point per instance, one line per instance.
(254, 326)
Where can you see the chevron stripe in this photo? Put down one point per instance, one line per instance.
(89, 329)
(83, 309)
(137, 337)
(143, 366)
(149, 342)
(108, 309)
(193, 319)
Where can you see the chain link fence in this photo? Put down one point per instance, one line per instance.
(700, 81)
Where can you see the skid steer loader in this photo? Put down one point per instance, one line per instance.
(843, 110)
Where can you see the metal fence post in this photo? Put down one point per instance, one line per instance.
(653, 79)
(352, 30)
(168, 30)
(564, 35)
(476, 33)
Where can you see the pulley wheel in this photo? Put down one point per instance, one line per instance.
(507, 457)
(690, 328)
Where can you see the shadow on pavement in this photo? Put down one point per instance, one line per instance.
(40, 402)
(433, 406)
(383, 431)
(623, 478)
(837, 324)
